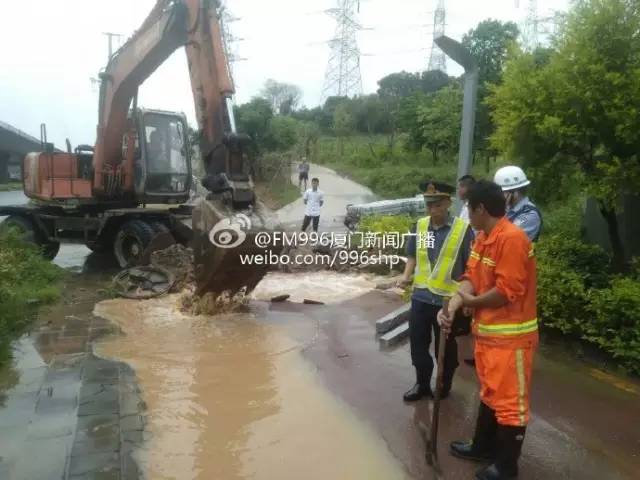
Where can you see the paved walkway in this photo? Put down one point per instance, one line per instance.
(65, 413)
(338, 193)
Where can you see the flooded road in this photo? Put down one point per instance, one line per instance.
(71, 257)
(231, 397)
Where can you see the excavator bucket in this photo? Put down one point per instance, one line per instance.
(225, 244)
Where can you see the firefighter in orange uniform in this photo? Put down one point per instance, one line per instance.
(499, 285)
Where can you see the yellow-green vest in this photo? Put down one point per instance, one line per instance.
(438, 280)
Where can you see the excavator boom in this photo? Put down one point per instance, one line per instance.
(194, 24)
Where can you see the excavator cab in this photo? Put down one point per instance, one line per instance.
(162, 167)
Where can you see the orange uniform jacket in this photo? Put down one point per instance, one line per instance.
(505, 260)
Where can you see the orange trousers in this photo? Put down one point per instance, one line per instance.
(505, 376)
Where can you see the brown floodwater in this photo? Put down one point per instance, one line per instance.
(323, 286)
(231, 397)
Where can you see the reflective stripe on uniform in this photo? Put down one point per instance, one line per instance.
(506, 329)
(521, 385)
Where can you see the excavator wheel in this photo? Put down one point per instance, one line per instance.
(26, 228)
(131, 241)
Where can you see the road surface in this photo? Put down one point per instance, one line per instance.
(283, 391)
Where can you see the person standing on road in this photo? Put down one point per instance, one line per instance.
(434, 266)
(500, 286)
(520, 210)
(313, 199)
(464, 183)
(303, 173)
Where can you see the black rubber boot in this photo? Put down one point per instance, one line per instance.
(421, 389)
(483, 446)
(509, 447)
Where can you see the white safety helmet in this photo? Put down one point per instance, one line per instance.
(511, 178)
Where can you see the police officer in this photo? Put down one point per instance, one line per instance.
(520, 210)
(436, 256)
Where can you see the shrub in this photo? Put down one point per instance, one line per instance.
(614, 323)
(590, 262)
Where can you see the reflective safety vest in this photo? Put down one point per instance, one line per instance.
(438, 280)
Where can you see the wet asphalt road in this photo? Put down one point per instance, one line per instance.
(584, 423)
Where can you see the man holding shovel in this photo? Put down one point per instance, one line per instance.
(436, 256)
(500, 285)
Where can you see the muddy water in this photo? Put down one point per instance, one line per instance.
(327, 287)
(229, 397)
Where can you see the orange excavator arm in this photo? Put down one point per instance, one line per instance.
(172, 24)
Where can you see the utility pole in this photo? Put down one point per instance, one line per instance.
(110, 37)
(437, 59)
(343, 78)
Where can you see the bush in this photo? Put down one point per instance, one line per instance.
(590, 262)
(614, 323)
(26, 279)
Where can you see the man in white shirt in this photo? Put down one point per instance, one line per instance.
(464, 183)
(313, 199)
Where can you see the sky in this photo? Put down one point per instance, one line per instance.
(51, 49)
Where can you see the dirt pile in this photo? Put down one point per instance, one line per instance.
(178, 260)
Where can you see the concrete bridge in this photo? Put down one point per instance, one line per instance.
(14, 145)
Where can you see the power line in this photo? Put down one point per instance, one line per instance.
(342, 77)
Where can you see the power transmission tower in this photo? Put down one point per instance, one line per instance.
(343, 76)
(437, 59)
(229, 39)
(530, 32)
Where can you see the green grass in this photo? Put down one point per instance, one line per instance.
(11, 186)
(27, 280)
(391, 174)
(278, 193)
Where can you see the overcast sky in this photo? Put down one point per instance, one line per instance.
(50, 50)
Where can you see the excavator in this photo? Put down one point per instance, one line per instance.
(133, 184)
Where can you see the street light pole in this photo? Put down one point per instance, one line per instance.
(464, 58)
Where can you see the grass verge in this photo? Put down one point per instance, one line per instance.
(26, 281)
(10, 187)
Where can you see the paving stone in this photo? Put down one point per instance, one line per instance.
(132, 422)
(100, 371)
(111, 475)
(393, 319)
(105, 426)
(50, 427)
(106, 463)
(131, 404)
(394, 336)
(104, 401)
(57, 398)
(129, 467)
(18, 409)
(132, 438)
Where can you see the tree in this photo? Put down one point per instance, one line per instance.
(343, 124)
(433, 80)
(489, 43)
(253, 119)
(282, 133)
(283, 97)
(439, 120)
(399, 85)
(582, 107)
